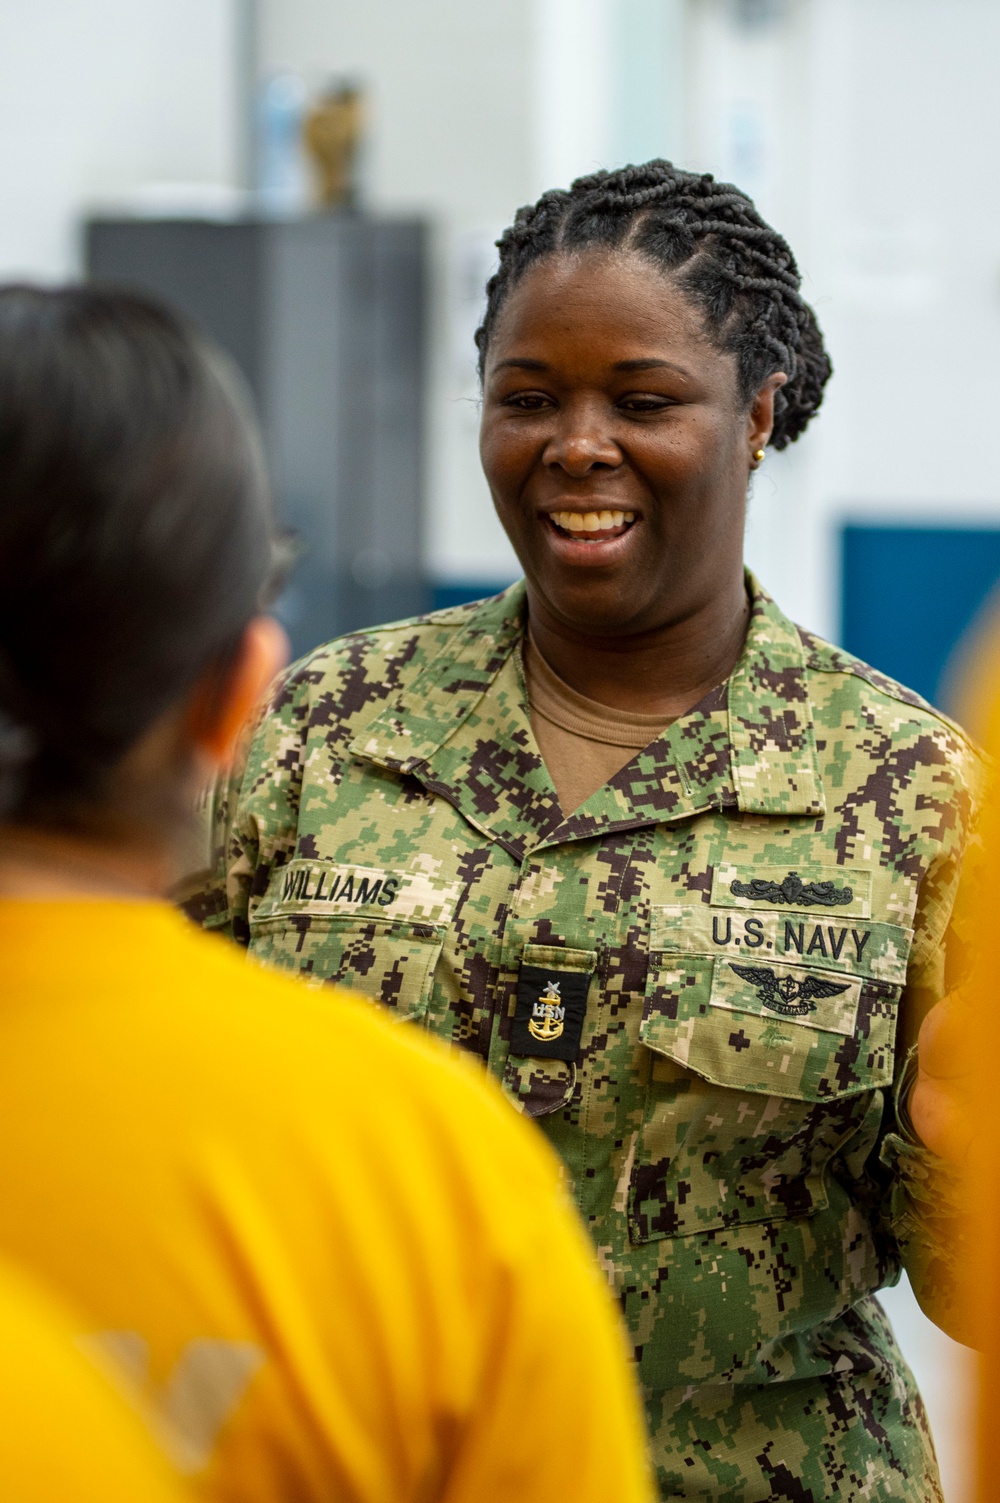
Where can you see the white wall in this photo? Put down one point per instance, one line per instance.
(574, 75)
(451, 135)
(877, 143)
(98, 97)
(476, 108)
(450, 93)
(946, 1375)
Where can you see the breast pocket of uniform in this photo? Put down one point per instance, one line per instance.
(770, 1033)
(379, 932)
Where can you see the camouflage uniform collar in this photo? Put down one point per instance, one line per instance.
(775, 767)
(748, 745)
(432, 707)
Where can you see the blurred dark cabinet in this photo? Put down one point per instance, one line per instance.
(327, 318)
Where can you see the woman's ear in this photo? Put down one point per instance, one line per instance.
(221, 705)
(761, 417)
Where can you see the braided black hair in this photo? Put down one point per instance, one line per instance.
(737, 270)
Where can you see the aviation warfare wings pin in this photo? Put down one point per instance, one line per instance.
(786, 994)
(551, 1006)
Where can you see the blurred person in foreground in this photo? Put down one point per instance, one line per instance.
(67, 1432)
(676, 870)
(329, 1253)
(953, 1106)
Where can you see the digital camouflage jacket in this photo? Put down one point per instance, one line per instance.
(702, 984)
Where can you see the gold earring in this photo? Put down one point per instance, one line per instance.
(758, 455)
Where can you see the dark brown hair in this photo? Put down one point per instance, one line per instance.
(135, 532)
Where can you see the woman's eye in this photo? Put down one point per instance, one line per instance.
(645, 404)
(527, 401)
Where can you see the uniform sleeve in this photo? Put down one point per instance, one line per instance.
(561, 1418)
(925, 1195)
(252, 818)
(202, 892)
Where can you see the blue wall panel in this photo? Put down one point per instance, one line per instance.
(909, 593)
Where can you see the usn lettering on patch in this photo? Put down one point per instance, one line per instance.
(551, 1006)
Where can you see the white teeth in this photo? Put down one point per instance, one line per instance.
(591, 521)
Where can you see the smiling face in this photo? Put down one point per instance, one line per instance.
(616, 446)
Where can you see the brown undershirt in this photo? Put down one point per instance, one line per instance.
(583, 743)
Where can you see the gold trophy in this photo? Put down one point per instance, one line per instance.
(332, 132)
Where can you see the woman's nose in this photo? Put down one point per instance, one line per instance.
(579, 446)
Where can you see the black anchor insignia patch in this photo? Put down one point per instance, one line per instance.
(788, 996)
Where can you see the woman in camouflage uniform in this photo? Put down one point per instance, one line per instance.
(677, 871)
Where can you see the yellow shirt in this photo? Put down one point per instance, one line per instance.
(331, 1253)
(66, 1434)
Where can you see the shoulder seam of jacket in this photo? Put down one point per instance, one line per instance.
(849, 666)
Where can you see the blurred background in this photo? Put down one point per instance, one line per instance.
(320, 183)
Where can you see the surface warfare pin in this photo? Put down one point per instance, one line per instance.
(551, 1006)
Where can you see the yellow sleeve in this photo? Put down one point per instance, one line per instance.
(67, 1432)
(561, 1418)
(554, 1415)
(521, 1388)
(926, 1199)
